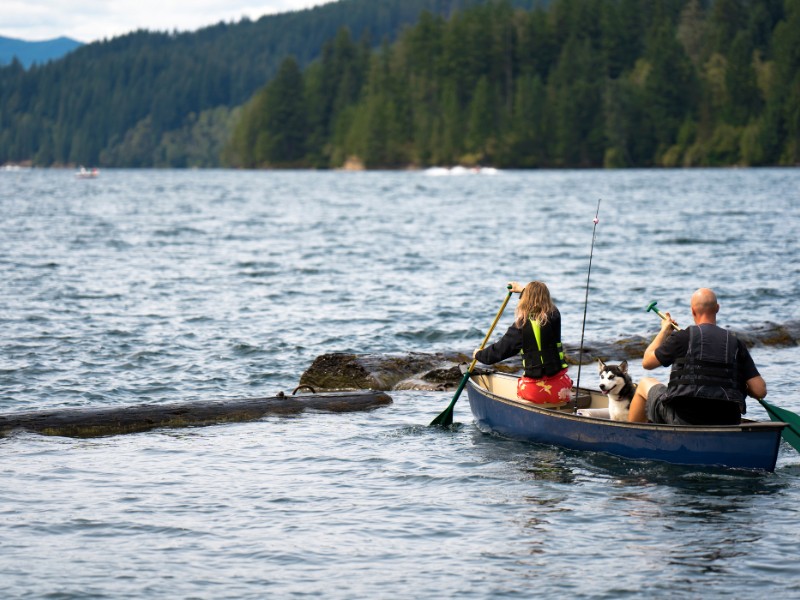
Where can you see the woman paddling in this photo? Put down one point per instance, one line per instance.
(536, 335)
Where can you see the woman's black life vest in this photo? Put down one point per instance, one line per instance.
(542, 354)
(709, 369)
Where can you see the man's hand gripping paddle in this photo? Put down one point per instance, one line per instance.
(652, 306)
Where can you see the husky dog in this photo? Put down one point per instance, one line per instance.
(618, 386)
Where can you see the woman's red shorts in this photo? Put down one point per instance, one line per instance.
(547, 390)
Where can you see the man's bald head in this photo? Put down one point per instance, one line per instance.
(704, 306)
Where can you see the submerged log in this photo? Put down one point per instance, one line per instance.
(94, 422)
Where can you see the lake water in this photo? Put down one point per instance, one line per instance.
(169, 286)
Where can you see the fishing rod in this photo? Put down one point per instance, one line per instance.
(586, 302)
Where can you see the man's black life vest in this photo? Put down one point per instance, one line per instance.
(709, 369)
(542, 354)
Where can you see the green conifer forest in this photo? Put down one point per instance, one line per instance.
(415, 83)
(576, 83)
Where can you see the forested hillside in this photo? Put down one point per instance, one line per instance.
(583, 83)
(169, 99)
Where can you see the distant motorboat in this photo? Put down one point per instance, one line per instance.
(84, 173)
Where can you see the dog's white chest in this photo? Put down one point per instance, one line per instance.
(618, 409)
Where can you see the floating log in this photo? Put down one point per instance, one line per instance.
(440, 371)
(94, 422)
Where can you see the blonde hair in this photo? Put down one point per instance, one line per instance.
(534, 303)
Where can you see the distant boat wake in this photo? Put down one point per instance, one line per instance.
(459, 170)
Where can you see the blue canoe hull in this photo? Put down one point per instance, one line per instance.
(750, 445)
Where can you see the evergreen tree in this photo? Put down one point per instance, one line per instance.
(451, 126)
(728, 18)
(537, 50)
(481, 119)
(693, 32)
(670, 89)
(613, 40)
(744, 100)
(527, 142)
(783, 114)
(284, 132)
(575, 95)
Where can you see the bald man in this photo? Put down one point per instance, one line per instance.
(712, 372)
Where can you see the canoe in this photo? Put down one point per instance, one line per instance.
(494, 403)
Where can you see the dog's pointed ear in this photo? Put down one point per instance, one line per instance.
(623, 366)
(600, 365)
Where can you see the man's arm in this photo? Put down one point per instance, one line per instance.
(649, 361)
(756, 387)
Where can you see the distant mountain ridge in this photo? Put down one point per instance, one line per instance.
(29, 53)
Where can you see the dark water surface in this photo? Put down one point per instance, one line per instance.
(167, 286)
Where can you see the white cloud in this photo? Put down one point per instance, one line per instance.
(91, 20)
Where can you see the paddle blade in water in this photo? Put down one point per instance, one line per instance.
(446, 418)
(791, 434)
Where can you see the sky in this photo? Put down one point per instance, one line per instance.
(93, 20)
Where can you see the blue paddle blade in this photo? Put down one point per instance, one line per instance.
(791, 434)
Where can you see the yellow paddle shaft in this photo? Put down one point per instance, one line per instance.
(491, 329)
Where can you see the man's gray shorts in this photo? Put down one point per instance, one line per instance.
(657, 411)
